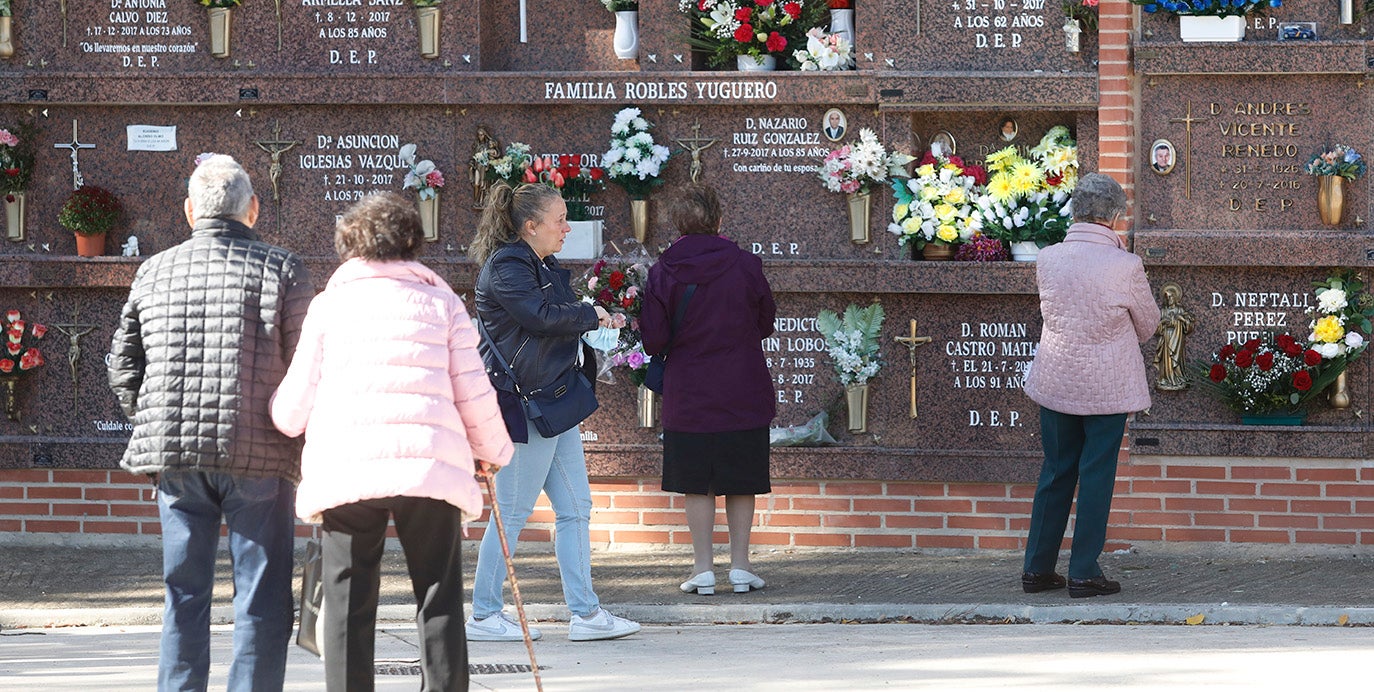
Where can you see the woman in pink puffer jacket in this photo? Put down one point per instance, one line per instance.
(397, 412)
(1088, 374)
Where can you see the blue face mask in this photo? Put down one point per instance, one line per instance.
(602, 338)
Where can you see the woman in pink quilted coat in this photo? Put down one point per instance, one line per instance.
(398, 414)
(1088, 373)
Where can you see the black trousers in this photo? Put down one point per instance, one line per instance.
(353, 540)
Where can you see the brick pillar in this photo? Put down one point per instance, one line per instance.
(1117, 91)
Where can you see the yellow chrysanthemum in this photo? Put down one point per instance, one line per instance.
(947, 233)
(1329, 329)
(945, 212)
(930, 193)
(997, 161)
(925, 171)
(899, 212)
(1026, 178)
(956, 196)
(1000, 188)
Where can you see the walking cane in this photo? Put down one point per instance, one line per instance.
(514, 587)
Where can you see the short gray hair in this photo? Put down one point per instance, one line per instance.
(219, 188)
(1098, 198)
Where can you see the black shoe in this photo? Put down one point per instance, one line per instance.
(1035, 582)
(1097, 586)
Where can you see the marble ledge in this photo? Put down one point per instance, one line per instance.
(1227, 440)
(953, 91)
(1234, 248)
(1250, 58)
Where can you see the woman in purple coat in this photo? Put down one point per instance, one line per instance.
(717, 394)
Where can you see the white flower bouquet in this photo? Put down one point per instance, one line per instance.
(634, 161)
(825, 52)
(852, 341)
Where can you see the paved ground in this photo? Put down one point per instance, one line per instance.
(66, 585)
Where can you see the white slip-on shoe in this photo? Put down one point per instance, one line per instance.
(602, 625)
(743, 580)
(497, 628)
(704, 584)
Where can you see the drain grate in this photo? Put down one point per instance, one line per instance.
(473, 669)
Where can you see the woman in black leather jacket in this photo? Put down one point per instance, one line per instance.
(532, 317)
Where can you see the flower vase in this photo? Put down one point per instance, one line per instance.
(1340, 392)
(937, 252)
(1024, 251)
(90, 245)
(856, 395)
(9, 385)
(625, 42)
(6, 38)
(1073, 35)
(1274, 418)
(639, 218)
(1196, 29)
(860, 208)
(1347, 11)
(427, 23)
(842, 23)
(429, 217)
(220, 25)
(647, 407)
(1330, 198)
(14, 216)
(750, 63)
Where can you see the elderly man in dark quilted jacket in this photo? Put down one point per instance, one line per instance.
(203, 341)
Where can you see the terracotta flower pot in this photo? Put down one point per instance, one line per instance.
(90, 245)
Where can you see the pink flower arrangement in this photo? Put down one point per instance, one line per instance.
(856, 168)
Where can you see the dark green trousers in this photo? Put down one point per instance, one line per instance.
(1081, 451)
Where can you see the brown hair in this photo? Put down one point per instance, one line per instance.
(505, 212)
(695, 210)
(382, 226)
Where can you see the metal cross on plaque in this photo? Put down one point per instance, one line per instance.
(276, 147)
(76, 146)
(695, 145)
(911, 342)
(75, 331)
(1188, 121)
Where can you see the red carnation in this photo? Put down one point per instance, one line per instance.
(701, 5)
(11, 172)
(1244, 358)
(1293, 350)
(1265, 361)
(742, 15)
(14, 348)
(792, 10)
(626, 302)
(597, 173)
(978, 173)
(6, 365)
(1218, 373)
(1302, 381)
(617, 280)
(1054, 180)
(744, 33)
(956, 161)
(31, 359)
(1284, 341)
(1226, 352)
(605, 297)
(763, 3)
(1311, 358)
(1252, 344)
(776, 43)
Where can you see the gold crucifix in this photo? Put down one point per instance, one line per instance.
(276, 147)
(74, 331)
(1188, 121)
(695, 145)
(911, 342)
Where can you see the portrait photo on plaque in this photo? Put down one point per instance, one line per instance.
(1162, 156)
(942, 144)
(1007, 128)
(835, 125)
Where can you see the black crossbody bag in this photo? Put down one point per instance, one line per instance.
(653, 376)
(556, 407)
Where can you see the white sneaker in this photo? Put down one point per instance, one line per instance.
(497, 628)
(602, 625)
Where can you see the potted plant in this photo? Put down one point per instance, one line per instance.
(752, 32)
(1026, 203)
(1333, 167)
(90, 213)
(427, 22)
(19, 358)
(1210, 20)
(855, 170)
(634, 162)
(625, 41)
(16, 169)
(6, 31)
(423, 177)
(220, 25)
(937, 210)
(854, 347)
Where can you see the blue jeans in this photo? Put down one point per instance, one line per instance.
(1082, 451)
(557, 467)
(261, 519)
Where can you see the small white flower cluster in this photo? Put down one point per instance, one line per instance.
(852, 363)
(633, 152)
(512, 162)
(825, 52)
(419, 177)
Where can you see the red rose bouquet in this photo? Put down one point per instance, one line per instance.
(1272, 375)
(17, 153)
(728, 28)
(20, 354)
